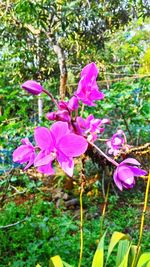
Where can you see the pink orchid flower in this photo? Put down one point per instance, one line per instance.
(58, 143)
(90, 127)
(116, 142)
(24, 153)
(71, 105)
(124, 173)
(87, 90)
(32, 87)
(64, 111)
(59, 115)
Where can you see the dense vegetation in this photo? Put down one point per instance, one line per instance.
(50, 42)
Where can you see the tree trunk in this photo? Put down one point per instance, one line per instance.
(63, 69)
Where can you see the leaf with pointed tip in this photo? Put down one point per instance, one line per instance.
(116, 237)
(98, 260)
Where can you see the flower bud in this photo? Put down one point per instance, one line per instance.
(73, 103)
(32, 87)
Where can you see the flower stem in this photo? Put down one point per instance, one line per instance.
(51, 96)
(142, 222)
(103, 140)
(82, 110)
(104, 210)
(103, 154)
(81, 212)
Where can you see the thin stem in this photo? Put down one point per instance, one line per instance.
(13, 224)
(51, 96)
(81, 227)
(103, 140)
(82, 109)
(76, 114)
(104, 210)
(103, 154)
(81, 212)
(126, 123)
(142, 222)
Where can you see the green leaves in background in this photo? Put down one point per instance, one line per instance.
(124, 257)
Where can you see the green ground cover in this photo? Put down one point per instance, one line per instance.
(47, 229)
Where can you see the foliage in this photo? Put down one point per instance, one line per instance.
(127, 106)
(30, 32)
(126, 253)
(48, 230)
(145, 62)
(26, 51)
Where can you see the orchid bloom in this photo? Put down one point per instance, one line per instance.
(116, 143)
(24, 153)
(32, 87)
(125, 172)
(87, 90)
(58, 143)
(64, 110)
(90, 126)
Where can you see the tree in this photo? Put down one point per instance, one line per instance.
(35, 30)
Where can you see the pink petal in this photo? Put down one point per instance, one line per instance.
(125, 175)
(22, 154)
(73, 103)
(96, 95)
(59, 129)
(81, 122)
(101, 130)
(51, 116)
(90, 70)
(46, 169)
(128, 186)
(43, 137)
(63, 115)
(73, 145)
(63, 105)
(130, 161)
(25, 141)
(31, 161)
(117, 141)
(105, 121)
(117, 181)
(42, 159)
(137, 171)
(66, 163)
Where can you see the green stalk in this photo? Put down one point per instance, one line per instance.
(104, 211)
(82, 110)
(81, 212)
(142, 222)
(81, 226)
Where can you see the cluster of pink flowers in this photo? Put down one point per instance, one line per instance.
(70, 134)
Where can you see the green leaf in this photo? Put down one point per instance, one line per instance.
(144, 259)
(123, 253)
(66, 264)
(133, 254)
(98, 260)
(56, 262)
(116, 237)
